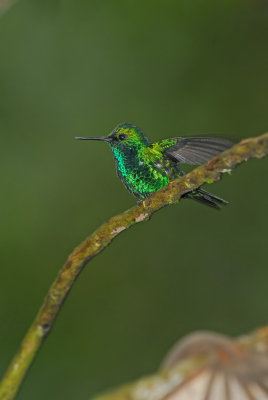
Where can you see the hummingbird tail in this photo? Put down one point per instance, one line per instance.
(207, 198)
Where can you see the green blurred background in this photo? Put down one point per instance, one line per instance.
(74, 68)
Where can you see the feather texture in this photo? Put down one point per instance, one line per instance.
(197, 150)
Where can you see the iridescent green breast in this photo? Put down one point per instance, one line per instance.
(143, 170)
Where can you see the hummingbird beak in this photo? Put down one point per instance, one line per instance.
(103, 138)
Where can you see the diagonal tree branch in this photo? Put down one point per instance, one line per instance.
(210, 172)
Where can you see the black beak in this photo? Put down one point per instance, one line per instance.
(103, 138)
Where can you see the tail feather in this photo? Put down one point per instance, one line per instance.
(206, 198)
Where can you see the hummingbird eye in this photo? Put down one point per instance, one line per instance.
(122, 136)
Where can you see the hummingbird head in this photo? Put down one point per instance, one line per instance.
(124, 137)
(127, 135)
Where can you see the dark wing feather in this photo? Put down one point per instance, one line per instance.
(197, 150)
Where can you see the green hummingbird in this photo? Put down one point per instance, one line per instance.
(145, 167)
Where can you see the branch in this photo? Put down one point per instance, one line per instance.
(102, 237)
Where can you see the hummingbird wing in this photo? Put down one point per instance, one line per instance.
(197, 150)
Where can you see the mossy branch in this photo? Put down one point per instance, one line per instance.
(102, 237)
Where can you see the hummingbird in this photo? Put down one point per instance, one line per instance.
(145, 167)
